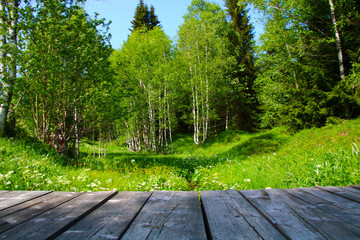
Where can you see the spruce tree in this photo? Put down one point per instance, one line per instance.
(144, 17)
(140, 17)
(153, 19)
(240, 35)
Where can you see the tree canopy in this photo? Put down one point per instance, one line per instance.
(144, 17)
(61, 81)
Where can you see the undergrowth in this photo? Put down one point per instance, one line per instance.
(328, 156)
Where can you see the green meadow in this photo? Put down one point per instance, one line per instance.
(327, 156)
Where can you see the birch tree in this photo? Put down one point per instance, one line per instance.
(8, 65)
(302, 62)
(201, 46)
(66, 57)
(141, 66)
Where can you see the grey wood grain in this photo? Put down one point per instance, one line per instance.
(284, 218)
(353, 190)
(17, 214)
(169, 215)
(110, 220)
(10, 194)
(336, 200)
(343, 193)
(231, 216)
(331, 221)
(2, 193)
(57, 220)
(355, 186)
(16, 197)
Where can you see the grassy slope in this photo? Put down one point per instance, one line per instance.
(232, 160)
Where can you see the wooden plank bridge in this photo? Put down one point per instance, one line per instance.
(304, 213)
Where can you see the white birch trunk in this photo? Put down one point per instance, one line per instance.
(227, 117)
(3, 106)
(77, 140)
(8, 87)
(338, 40)
(170, 131)
(207, 107)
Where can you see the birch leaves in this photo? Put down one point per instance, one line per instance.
(142, 66)
(189, 82)
(202, 49)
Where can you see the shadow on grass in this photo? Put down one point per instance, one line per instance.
(265, 143)
(186, 164)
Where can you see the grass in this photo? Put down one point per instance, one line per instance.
(328, 156)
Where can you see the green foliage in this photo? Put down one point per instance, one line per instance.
(30, 165)
(142, 75)
(144, 18)
(242, 105)
(328, 156)
(315, 157)
(203, 57)
(64, 69)
(299, 82)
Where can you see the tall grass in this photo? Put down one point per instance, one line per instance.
(231, 160)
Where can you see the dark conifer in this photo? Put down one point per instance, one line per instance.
(153, 19)
(241, 47)
(144, 17)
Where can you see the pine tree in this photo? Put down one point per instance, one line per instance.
(144, 17)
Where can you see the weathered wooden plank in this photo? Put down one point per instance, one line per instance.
(331, 221)
(2, 193)
(355, 186)
(231, 216)
(336, 200)
(17, 214)
(57, 220)
(169, 215)
(11, 194)
(110, 220)
(343, 193)
(13, 198)
(285, 219)
(353, 190)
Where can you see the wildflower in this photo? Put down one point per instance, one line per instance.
(9, 174)
(247, 180)
(132, 160)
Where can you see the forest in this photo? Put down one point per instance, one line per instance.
(160, 106)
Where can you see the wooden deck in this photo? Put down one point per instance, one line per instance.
(305, 213)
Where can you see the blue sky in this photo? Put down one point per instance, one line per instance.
(169, 12)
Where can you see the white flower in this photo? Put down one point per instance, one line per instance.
(247, 180)
(132, 160)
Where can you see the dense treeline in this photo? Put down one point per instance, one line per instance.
(53, 71)
(201, 83)
(308, 61)
(61, 80)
